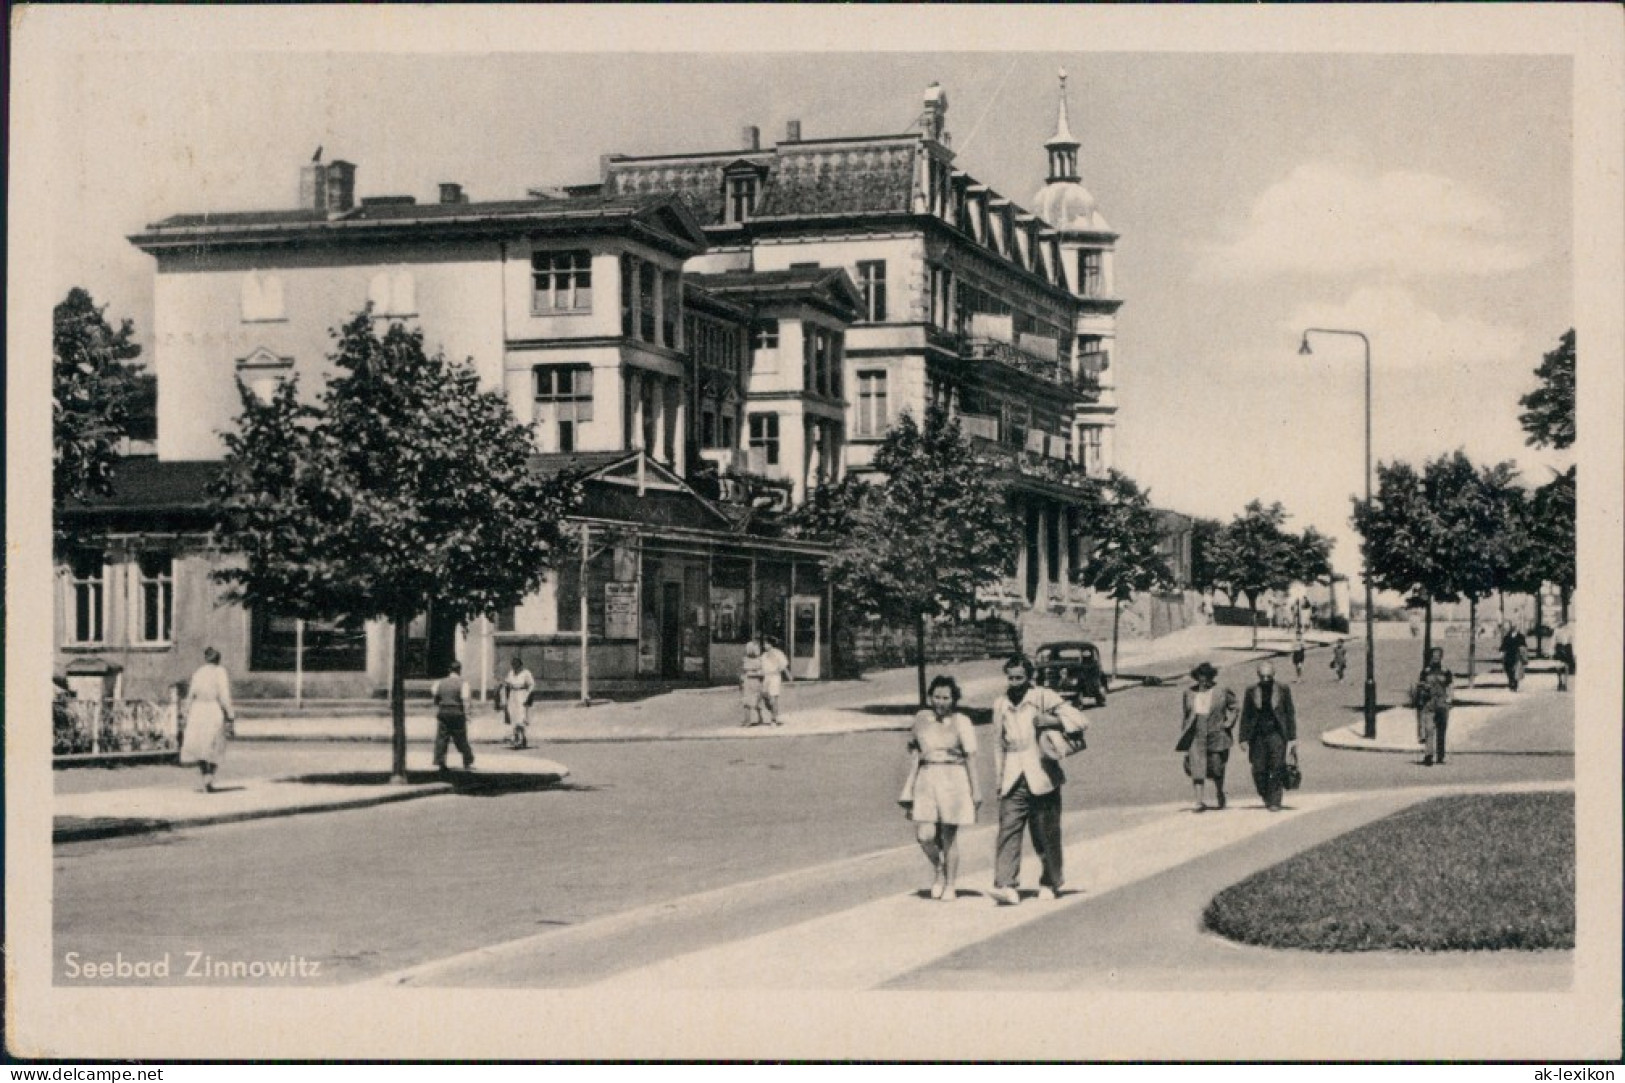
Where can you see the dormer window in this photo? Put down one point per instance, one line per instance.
(741, 185)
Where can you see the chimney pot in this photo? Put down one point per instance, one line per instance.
(792, 132)
(751, 137)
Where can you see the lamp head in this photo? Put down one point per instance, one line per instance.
(1304, 350)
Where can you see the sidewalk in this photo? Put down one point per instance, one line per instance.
(109, 813)
(1486, 718)
(883, 700)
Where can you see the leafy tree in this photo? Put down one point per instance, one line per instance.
(1543, 547)
(92, 390)
(1254, 553)
(919, 544)
(403, 486)
(1475, 529)
(1124, 536)
(1204, 535)
(1400, 534)
(1548, 415)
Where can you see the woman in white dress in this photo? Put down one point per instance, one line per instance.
(209, 714)
(516, 689)
(943, 793)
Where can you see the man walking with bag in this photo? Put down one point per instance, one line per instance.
(1269, 730)
(1029, 780)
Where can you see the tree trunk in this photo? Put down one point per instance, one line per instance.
(1538, 652)
(1563, 599)
(397, 702)
(1472, 639)
(1427, 632)
(1117, 612)
(1252, 608)
(919, 656)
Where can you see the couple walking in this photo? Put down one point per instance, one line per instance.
(1269, 730)
(761, 681)
(1034, 729)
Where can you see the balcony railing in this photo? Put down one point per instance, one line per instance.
(1032, 464)
(991, 349)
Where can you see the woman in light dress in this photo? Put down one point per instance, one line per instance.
(209, 715)
(516, 690)
(945, 793)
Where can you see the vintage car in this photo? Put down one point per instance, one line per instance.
(1072, 669)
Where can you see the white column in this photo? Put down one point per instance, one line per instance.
(680, 442)
(1043, 549)
(634, 386)
(662, 403)
(1021, 552)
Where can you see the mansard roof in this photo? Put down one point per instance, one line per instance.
(657, 219)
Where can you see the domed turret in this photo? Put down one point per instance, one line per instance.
(1063, 202)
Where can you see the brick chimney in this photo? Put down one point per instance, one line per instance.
(452, 193)
(751, 136)
(792, 132)
(313, 187)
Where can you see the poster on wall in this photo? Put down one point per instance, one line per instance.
(620, 611)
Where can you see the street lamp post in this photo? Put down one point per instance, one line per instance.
(1365, 564)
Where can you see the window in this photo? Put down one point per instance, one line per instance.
(648, 274)
(330, 646)
(1091, 272)
(873, 415)
(262, 298)
(1092, 356)
(764, 335)
(764, 437)
(729, 430)
(628, 307)
(392, 293)
(671, 307)
(88, 585)
(941, 284)
(155, 598)
(741, 197)
(872, 281)
(563, 404)
(1093, 449)
(560, 282)
(708, 429)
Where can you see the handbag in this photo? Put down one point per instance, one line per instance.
(1291, 775)
(1059, 744)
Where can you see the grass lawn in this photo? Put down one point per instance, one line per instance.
(1470, 873)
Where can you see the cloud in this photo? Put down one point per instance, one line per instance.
(1405, 334)
(1325, 220)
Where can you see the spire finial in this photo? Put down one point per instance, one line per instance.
(1063, 127)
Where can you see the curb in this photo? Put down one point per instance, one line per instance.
(115, 828)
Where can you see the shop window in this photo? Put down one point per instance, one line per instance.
(88, 590)
(563, 404)
(561, 282)
(730, 600)
(330, 646)
(764, 438)
(155, 598)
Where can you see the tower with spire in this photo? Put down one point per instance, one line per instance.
(1088, 250)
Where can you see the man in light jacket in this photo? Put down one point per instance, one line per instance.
(1029, 781)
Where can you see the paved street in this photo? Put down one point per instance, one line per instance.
(652, 851)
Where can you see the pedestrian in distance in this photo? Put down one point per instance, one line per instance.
(1208, 719)
(209, 718)
(775, 671)
(1514, 655)
(516, 690)
(1298, 656)
(1029, 780)
(450, 696)
(1340, 660)
(1433, 699)
(942, 793)
(1269, 730)
(1563, 651)
(750, 685)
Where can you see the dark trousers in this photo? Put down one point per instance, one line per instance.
(1441, 722)
(452, 731)
(1268, 755)
(1040, 815)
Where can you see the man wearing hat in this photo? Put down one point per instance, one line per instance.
(1205, 738)
(1269, 729)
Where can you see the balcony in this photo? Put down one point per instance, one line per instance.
(1028, 461)
(1085, 385)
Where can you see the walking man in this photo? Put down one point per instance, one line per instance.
(1269, 729)
(1514, 654)
(1029, 782)
(450, 695)
(1433, 698)
(775, 671)
(1340, 660)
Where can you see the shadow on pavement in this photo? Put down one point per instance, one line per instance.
(84, 829)
(474, 783)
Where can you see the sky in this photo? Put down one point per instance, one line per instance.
(1426, 200)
